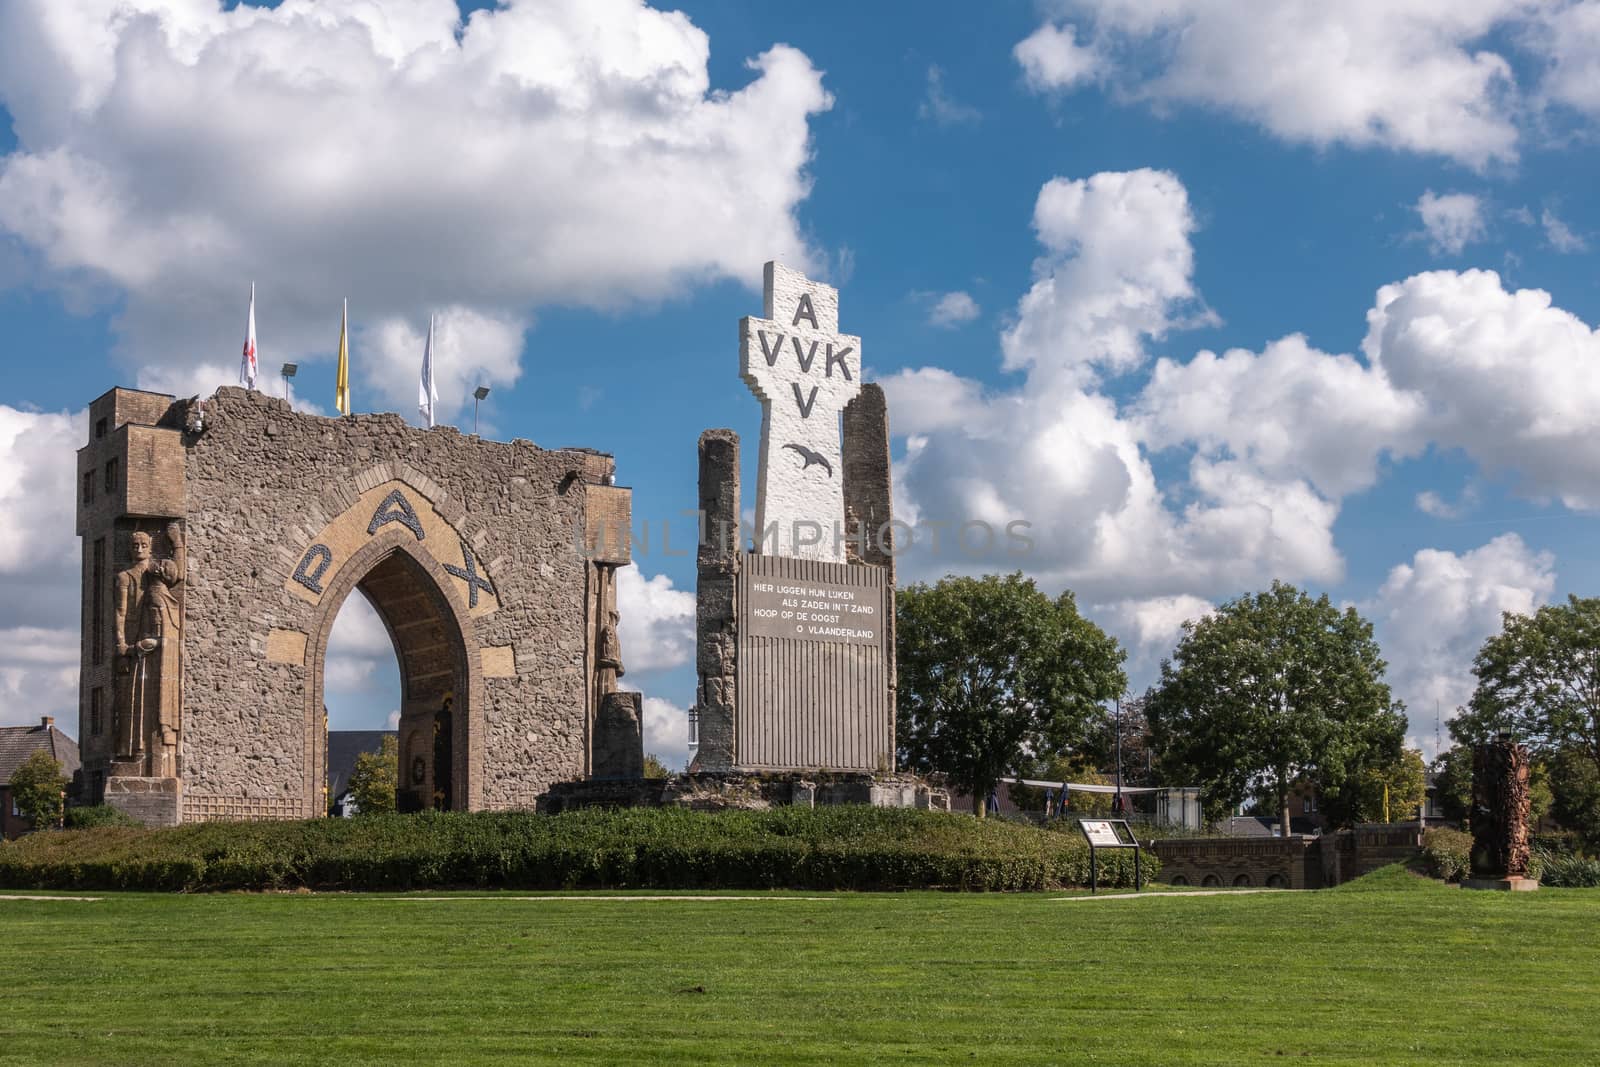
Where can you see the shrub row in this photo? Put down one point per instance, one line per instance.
(1567, 871)
(824, 848)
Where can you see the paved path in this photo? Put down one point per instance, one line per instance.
(22, 896)
(1168, 894)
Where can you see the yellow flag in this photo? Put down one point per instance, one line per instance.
(341, 389)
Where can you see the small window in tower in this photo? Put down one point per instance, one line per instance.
(100, 429)
(97, 710)
(88, 486)
(111, 475)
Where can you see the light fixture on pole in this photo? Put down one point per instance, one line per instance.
(289, 370)
(477, 398)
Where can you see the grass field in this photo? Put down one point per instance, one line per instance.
(1392, 969)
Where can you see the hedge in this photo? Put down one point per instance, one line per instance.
(823, 848)
(1447, 854)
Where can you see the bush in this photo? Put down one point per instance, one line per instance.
(1447, 854)
(96, 815)
(1569, 871)
(37, 789)
(670, 848)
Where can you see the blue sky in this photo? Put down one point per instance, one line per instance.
(1039, 216)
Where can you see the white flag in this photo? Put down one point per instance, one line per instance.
(247, 362)
(427, 393)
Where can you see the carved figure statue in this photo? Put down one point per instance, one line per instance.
(608, 659)
(1500, 805)
(149, 633)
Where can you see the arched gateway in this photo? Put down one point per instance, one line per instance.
(220, 540)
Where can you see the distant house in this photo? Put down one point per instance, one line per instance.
(343, 748)
(17, 743)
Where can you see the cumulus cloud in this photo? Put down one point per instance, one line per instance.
(39, 675)
(1419, 76)
(666, 732)
(358, 645)
(657, 626)
(1432, 615)
(39, 549)
(940, 107)
(1052, 59)
(1117, 271)
(1568, 35)
(1506, 377)
(954, 309)
(538, 152)
(1559, 235)
(1432, 503)
(1450, 221)
(1149, 629)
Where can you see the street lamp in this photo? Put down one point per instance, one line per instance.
(477, 398)
(289, 370)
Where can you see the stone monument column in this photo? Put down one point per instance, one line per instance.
(716, 600)
(148, 606)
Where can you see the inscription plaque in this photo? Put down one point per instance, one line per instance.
(809, 610)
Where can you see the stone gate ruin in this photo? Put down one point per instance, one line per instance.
(220, 540)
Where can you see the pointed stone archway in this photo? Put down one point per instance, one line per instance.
(434, 640)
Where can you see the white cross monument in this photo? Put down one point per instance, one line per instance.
(804, 372)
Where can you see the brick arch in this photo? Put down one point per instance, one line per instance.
(434, 640)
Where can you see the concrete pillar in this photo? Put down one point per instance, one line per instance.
(716, 600)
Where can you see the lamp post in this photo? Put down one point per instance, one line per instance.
(289, 371)
(477, 398)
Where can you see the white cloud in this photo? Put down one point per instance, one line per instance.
(540, 152)
(469, 349)
(1149, 629)
(1451, 221)
(954, 309)
(657, 626)
(940, 107)
(1417, 76)
(1432, 503)
(39, 675)
(666, 732)
(1059, 454)
(40, 551)
(1506, 377)
(1432, 615)
(1560, 235)
(1052, 59)
(1290, 412)
(357, 645)
(1569, 36)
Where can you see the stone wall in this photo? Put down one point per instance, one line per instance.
(1291, 862)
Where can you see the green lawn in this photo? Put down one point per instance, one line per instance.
(1399, 971)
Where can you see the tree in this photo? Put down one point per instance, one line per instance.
(1452, 784)
(376, 778)
(1575, 795)
(1361, 797)
(992, 671)
(654, 767)
(1137, 756)
(1067, 768)
(1539, 681)
(1272, 688)
(37, 786)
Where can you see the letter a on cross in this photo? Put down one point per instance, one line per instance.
(804, 372)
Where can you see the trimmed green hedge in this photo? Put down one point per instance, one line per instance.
(823, 848)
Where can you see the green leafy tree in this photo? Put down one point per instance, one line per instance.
(1452, 784)
(1360, 798)
(1272, 688)
(1539, 681)
(993, 672)
(654, 767)
(376, 778)
(1062, 769)
(1575, 795)
(37, 786)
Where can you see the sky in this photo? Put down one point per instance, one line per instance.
(1209, 294)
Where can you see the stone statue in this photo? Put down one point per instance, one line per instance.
(608, 661)
(149, 633)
